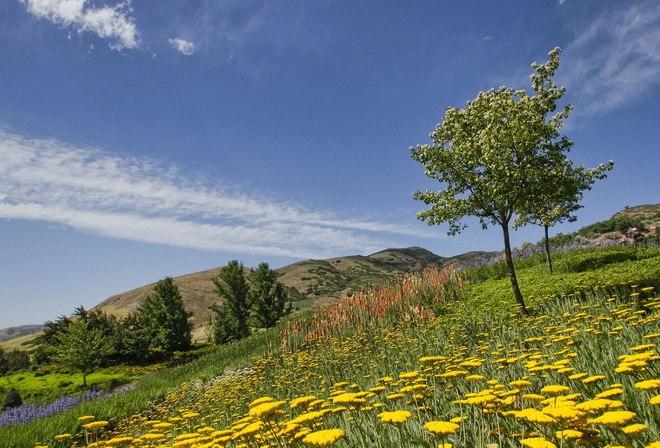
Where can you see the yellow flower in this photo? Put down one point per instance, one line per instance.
(63, 437)
(610, 393)
(534, 398)
(265, 409)
(614, 418)
(93, 426)
(395, 417)
(593, 379)
(153, 436)
(520, 384)
(569, 434)
(261, 400)
(118, 441)
(409, 375)
(325, 437)
(655, 400)
(474, 378)
(441, 428)
(634, 429)
(535, 416)
(648, 385)
(86, 418)
(301, 401)
(249, 430)
(554, 389)
(537, 442)
(349, 398)
(307, 417)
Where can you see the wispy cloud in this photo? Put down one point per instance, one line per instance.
(182, 46)
(108, 22)
(142, 200)
(615, 56)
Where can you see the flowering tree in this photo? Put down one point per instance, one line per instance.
(493, 157)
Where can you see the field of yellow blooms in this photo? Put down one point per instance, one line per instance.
(421, 363)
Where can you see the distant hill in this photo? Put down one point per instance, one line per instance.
(16, 332)
(309, 283)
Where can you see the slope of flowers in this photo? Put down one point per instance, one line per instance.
(382, 370)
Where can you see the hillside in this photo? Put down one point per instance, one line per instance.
(309, 282)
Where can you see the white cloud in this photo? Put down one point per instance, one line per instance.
(615, 57)
(182, 46)
(107, 22)
(141, 200)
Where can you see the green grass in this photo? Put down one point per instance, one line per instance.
(38, 387)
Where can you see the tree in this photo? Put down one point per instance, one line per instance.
(17, 360)
(492, 155)
(81, 348)
(4, 362)
(48, 339)
(165, 320)
(131, 340)
(561, 188)
(267, 296)
(231, 320)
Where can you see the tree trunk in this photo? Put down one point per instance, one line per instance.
(547, 249)
(512, 270)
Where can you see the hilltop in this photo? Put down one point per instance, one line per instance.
(309, 283)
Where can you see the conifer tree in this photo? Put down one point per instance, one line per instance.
(164, 319)
(267, 296)
(231, 320)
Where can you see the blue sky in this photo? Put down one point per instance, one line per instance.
(147, 139)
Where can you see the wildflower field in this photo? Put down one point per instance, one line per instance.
(437, 359)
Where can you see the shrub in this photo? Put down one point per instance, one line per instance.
(12, 400)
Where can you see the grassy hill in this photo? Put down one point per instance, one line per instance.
(309, 283)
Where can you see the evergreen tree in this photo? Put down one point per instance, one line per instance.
(267, 296)
(164, 319)
(231, 320)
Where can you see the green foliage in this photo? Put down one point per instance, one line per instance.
(621, 224)
(231, 319)
(267, 297)
(16, 360)
(164, 320)
(12, 399)
(81, 348)
(48, 339)
(500, 157)
(4, 363)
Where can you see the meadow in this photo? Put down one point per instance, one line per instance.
(436, 359)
